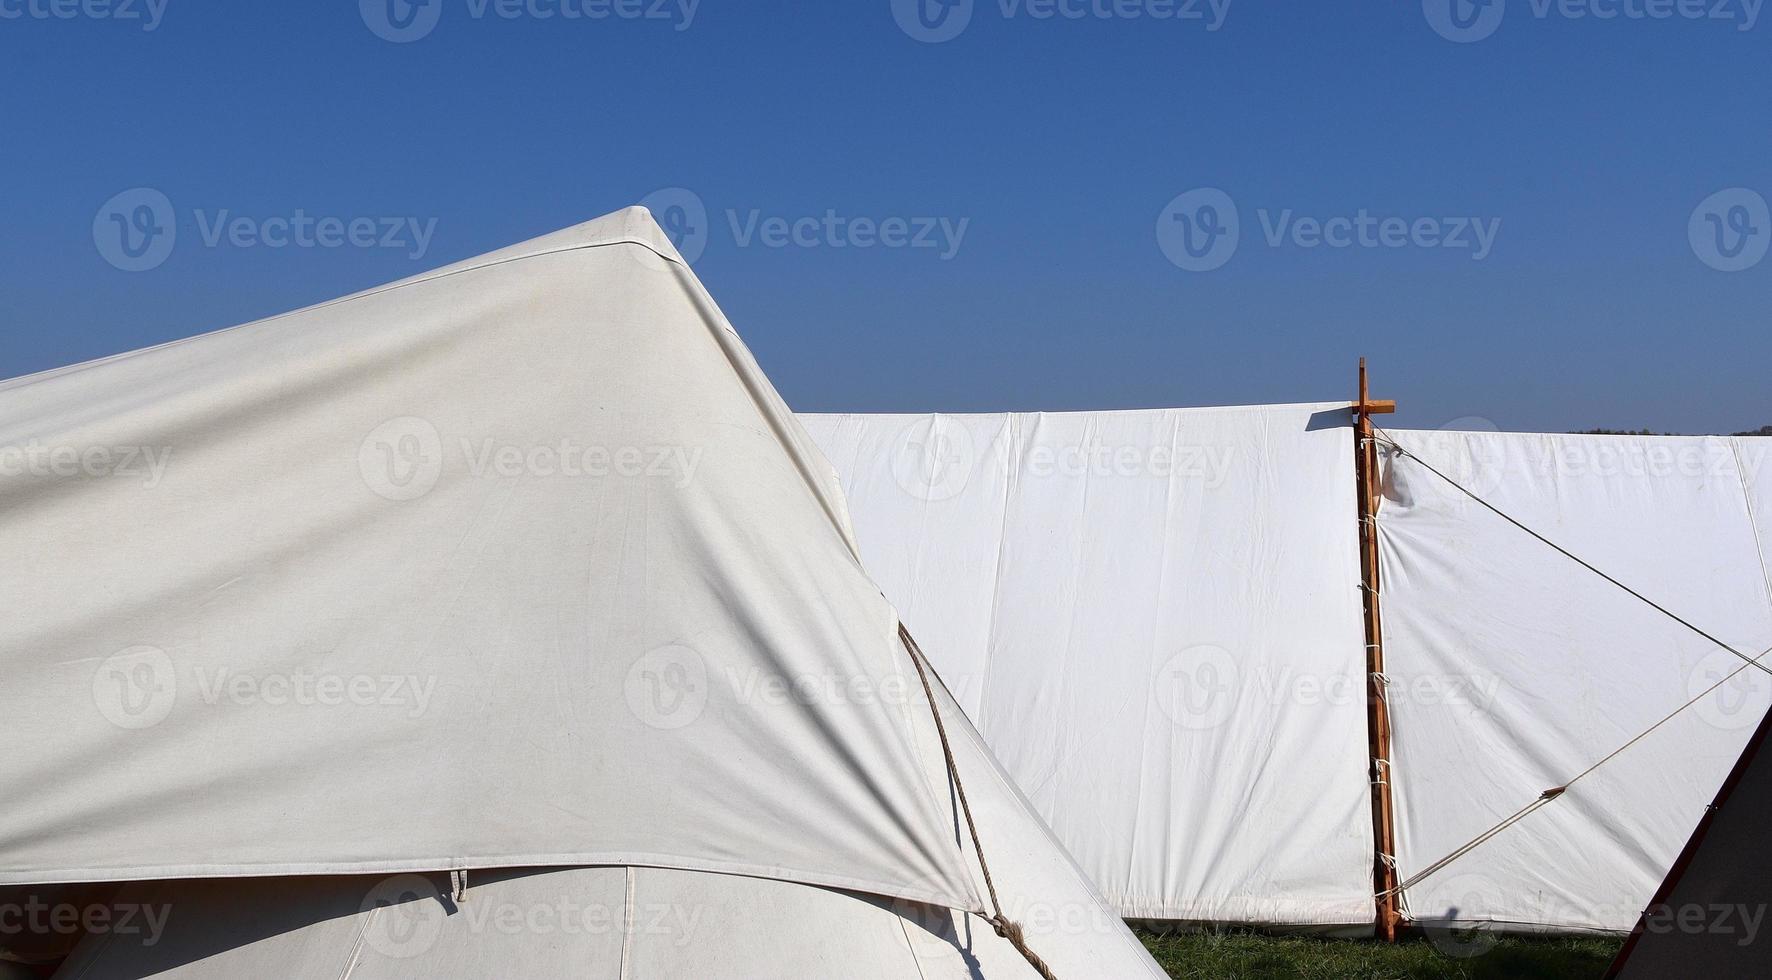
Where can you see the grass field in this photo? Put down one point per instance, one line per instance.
(1245, 956)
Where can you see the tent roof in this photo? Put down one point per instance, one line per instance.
(505, 564)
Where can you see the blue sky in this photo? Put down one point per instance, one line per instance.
(1584, 148)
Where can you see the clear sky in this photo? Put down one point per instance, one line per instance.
(1586, 150)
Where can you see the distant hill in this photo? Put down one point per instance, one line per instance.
(1764, 430)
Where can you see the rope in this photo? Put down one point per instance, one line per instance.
(1001, 923)
(1658, 607)
(1557, 791)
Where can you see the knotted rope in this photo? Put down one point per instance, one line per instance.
(1000, 923)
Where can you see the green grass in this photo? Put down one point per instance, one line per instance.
(1249, 956)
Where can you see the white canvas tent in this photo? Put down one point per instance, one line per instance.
(1074, 594)
(517, 564)
(1154, 618)
(1514, 669)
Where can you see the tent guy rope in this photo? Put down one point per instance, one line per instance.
(1401, 453)
(1001, 923)
(1557, 792)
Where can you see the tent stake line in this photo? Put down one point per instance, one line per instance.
(1384, 866)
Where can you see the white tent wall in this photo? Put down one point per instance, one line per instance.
(617, 922)
(1514, 669)
(1154, 619)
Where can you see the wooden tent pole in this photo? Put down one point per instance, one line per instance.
(1384, 833)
